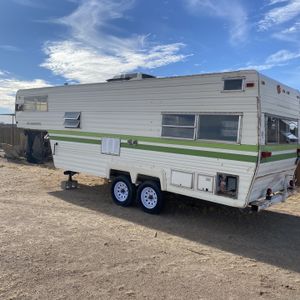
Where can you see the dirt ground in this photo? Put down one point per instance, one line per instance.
(57, 244)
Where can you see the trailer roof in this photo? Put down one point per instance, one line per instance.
(232, 73)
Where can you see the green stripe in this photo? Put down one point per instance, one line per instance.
(251, 148)
(75, 140)
(279, 157)
(209, 154)
(273, 148)
(229, 156)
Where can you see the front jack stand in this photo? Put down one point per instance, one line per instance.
(70, 183)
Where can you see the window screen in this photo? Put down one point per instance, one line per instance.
(288, 131)
(72, 119)
(178, 132)
(178, 126)
(29, 105)
(35, 103)
(272, 130)
(280, 130)
(72, 115)
(233, 84)
(218, 127)
(179, 120)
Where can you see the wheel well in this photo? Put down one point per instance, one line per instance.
(116, 173)
(142, 178)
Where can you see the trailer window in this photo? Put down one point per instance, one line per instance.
(178, 126)
(72, 119)
(219, 127)
(281, 130)
(34, 103)
(272, 130)
(235, 84)
(288, 131)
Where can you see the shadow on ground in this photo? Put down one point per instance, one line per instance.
(269, 237)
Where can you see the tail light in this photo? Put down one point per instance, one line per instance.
(266, 154)
(250, 84)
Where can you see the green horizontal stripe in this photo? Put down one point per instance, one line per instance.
(160, 140)
(279, 157)
(209, 154)
(75, 140)
(274, 148)
(229, 156)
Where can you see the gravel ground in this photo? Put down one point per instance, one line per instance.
(57, 244)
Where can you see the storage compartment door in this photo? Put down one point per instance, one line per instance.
(182, 179)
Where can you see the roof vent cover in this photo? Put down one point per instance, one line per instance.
(130, 76)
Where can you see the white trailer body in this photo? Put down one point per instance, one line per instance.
(229, 138)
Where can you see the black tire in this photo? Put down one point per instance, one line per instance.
(122, 191)
(150, 197)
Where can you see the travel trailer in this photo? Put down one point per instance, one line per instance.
(229, 138)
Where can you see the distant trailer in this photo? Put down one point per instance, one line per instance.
(229, 138)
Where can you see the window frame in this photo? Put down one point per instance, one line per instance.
(36, 101)
(234, 78)
(179, 126)
(238, 139)
(197, 123)
(279, 118)
(76, 117)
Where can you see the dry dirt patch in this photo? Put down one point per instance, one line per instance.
(57, 244)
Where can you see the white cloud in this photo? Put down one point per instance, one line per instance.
(261, 67)
(277, 59)
(293, 29)
(280, 15)
(290, 34)
(282, 56)
(230, 10)
(86, 64)
(92, 54)
(9, 48)
(91, 19)
(9, 86)
(273, 2)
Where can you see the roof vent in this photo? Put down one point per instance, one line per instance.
(131, 76)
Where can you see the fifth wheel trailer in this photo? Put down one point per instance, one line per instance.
(229, 138)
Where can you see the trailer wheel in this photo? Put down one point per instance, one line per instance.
(122, 191)
(150, 197)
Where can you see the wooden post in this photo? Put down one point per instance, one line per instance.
(12, 131)
(297, 175)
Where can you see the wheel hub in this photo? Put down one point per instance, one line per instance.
(121, 191)
(149, 197)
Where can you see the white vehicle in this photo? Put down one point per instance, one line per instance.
(229, 138)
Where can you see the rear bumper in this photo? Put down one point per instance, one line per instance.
(277, 198)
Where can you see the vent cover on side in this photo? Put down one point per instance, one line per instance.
(72, 119)
(110, 146)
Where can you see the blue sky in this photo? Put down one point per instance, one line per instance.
(51, 42)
